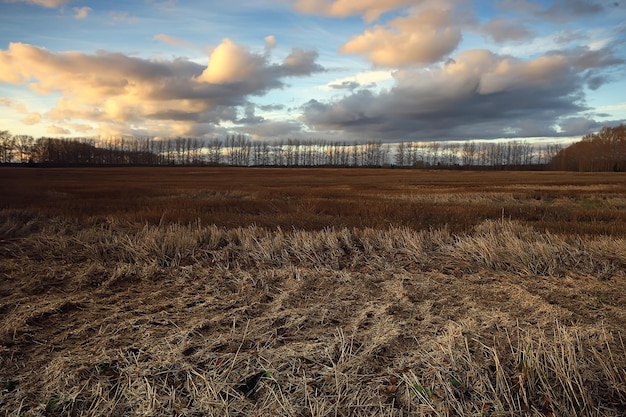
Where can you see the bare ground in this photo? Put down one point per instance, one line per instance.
(194, 320)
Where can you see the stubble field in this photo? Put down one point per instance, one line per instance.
(311, 292)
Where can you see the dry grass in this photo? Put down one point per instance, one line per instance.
(111, 318)
(313, 199)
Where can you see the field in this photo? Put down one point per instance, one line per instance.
(311, 292)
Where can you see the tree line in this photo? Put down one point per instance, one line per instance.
(604, 151)
(601, 151)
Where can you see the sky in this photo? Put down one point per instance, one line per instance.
(394, 70)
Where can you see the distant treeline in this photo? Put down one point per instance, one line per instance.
(600, 152)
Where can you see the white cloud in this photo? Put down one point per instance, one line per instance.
(362, 79)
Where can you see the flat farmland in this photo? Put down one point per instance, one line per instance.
(314, 199)
(311, 292)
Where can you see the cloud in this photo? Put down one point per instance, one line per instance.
(301, 63)
(369, 9)
(273, 129)
(344, 85)
(122, 17)
(250, 117)
(366, 79)
(478, 94)
(121, 94)
(503, 30)
(429, 34)
(559, 10)
(576, 126)
(51, 4)
(271, 107)
(57, 130)
(231, 63)
(81, 12)
(31, 119)
(12, 104)
(566, 9)
(173, 41)
(270, 42)
(80, 128)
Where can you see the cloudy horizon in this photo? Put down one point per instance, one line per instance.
(350, 69)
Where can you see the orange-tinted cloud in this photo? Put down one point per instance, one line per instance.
(31, 119)
(57, 130)
(231, 63)
(430, 31)
(81, 12)
(270, 42)
(423, 38)
(171, 40)
(369, 9)
(12, 104)
(120, 93)
(45, 3)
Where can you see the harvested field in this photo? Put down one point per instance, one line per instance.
(112, 314)
(314, 199)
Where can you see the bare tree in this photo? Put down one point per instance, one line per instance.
(469, 154)
(7, 146)
(24, 146)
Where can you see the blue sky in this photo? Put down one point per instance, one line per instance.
(338, 69)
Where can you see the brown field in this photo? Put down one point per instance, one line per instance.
(311, 292)
(313, 199)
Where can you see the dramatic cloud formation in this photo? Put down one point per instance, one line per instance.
(348, 69)
(115, 90)
(477, 94)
